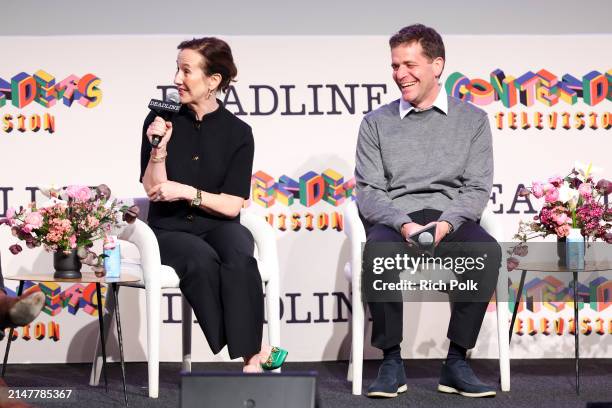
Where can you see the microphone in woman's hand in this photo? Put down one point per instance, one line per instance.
(165, 109)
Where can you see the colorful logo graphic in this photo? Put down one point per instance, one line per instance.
(309, 189)
(550, 294)
(74, 298)
(543, 88)
(43, 89)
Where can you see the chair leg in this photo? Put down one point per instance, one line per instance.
(96, 367)
(153, 298)
(186, 326)
(357, 341)
(349, 374)
(501, 292)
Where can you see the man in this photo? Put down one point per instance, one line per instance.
(426, 159)
(19, 311)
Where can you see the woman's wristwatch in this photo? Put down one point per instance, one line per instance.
(197, 200)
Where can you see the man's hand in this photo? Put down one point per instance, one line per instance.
(410, 228)
(170, 191)
(442, 230)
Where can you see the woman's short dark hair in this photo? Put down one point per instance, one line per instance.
(430, 40)
(217, 58)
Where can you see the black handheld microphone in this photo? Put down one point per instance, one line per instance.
(166, 109)
(423, 240)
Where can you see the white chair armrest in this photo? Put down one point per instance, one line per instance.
(354, 230)
(141, 235)
(353, 227)
(265, 241)
(489, 223)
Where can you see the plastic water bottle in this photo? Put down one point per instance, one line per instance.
(574, 250)
(112, 261)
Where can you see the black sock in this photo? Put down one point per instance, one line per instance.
(455, 352)
(393, 353)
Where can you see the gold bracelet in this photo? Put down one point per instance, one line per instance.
(158, 159)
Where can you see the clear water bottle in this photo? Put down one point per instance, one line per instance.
(112, 260)
(574, 247)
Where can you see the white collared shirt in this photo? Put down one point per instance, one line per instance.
(441, 103)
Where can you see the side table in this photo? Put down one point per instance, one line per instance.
(88, 277)
(553, 267)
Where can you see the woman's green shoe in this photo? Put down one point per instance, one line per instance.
(276, 359)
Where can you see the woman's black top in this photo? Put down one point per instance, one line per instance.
(214, 155)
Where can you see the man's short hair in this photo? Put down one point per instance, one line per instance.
(430, 40)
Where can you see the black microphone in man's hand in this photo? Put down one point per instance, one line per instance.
(423, 240)
(165, 109)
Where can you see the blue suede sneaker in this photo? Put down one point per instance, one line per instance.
(458, 378)
(391, 380)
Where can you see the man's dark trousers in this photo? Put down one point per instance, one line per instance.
(466, 317)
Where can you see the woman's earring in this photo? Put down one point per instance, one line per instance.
(211, 92)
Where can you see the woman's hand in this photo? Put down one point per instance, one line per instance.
(169, 191)
(161, 128)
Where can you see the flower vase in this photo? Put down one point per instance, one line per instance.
(574, 250)
(561, 252)
(67, 265)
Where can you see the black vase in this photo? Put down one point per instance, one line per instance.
(561, 253)
(67, 266)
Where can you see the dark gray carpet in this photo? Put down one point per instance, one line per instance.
(535, 383)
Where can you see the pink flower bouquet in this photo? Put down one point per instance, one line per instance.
(575, 201)
(73, 218)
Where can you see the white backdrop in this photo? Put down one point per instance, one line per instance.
(101, 145)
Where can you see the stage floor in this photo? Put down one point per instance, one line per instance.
(535, 383)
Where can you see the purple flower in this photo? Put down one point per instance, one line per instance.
(90, 259)
(556, 181)
(131, 214)
(604, 187)
(99, 271)
(512, 263)
(15, 249)
(575, 183)
(520, 250)
(103, 191)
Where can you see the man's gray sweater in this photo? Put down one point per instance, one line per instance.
(426, 160)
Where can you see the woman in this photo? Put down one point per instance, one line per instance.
(197, 180)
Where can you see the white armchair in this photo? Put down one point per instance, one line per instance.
(354, 230)
(156, 277)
